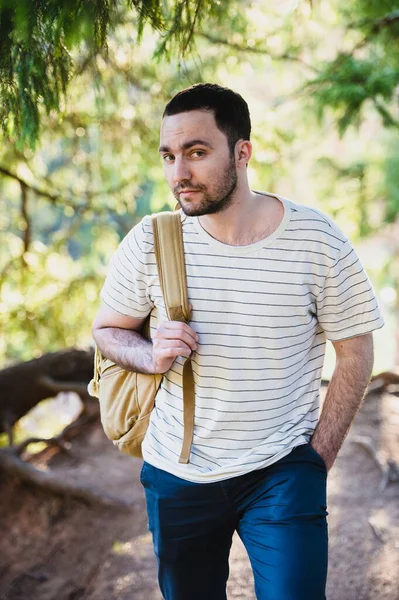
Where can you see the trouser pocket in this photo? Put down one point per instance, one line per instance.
(317, 455)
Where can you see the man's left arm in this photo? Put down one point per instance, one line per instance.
(346, 390)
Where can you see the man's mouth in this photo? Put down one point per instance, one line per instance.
(188, 192)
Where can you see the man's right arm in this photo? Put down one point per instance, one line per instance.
(119, 338)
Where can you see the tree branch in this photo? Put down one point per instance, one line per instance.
(25, 216)
(256, 50)
(53, 197)
(387, 117)
(7, 267)
(192, 28)
(386, 21)
(65, 197)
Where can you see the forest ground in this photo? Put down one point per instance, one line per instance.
(58, 549)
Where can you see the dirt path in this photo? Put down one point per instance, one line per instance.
(53, 549)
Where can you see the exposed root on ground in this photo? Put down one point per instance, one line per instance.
(378, 531)
(387, 380)
(13, 464)
(62, 439)
(388, 467)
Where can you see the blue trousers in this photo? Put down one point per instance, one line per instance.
(279, 513)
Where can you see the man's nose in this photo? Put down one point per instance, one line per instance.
(181, 171)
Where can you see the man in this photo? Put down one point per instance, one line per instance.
(268, 282)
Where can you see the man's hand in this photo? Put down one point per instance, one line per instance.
(119, 339)
(345, 393)
(170, 340)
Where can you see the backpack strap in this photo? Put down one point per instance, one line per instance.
(169, 254)
(94, 386)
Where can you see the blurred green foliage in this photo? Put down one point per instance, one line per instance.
(37, 39)
(95, 170)
(366, 67)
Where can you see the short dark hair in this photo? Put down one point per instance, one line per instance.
(229, 108)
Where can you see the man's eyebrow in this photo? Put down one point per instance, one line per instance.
(187, 145)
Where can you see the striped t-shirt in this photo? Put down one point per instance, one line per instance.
(262, 314)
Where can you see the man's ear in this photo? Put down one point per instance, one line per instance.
(243, 152)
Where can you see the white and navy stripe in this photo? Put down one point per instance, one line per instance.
(262, 313)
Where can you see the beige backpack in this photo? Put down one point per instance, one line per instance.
(127, 398)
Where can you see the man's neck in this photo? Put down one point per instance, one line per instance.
(249, 218)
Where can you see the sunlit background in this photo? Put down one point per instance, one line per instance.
(66, 204)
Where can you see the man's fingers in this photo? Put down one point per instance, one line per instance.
(170, 340)
(173, 330)
(173, 352)
(160, 344)
(179, 326)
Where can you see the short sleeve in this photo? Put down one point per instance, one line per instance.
(346, 305)
(126, 286)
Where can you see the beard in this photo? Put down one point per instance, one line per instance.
(210, 203)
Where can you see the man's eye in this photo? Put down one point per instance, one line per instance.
(198, 153)
(168, 157)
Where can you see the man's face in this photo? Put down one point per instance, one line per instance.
(197, 162)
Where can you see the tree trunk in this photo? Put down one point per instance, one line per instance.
(24, 385)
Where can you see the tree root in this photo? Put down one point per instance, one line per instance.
(62, 439)
(12, 463)
(378, 531)
(55, 386)
(387, 380)
(389, 468)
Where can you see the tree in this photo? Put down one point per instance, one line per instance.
(38, 40)
(365, 69)
(95, 171)
(65, 206)
(364, 75)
